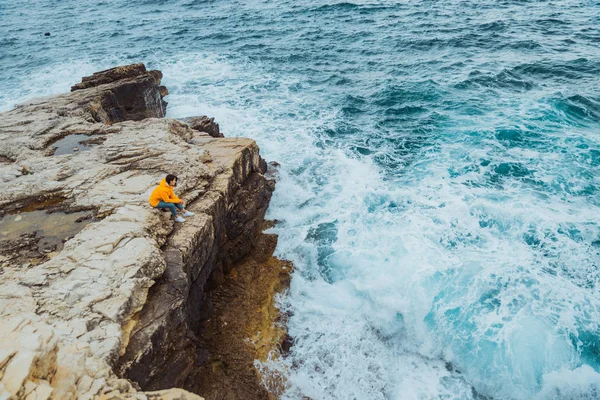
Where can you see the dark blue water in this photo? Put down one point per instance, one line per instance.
(439, 188)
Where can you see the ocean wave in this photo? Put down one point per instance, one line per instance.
(438, 190)
(503, 80)
(571, 70)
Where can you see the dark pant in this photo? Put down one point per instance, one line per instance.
(170, 206)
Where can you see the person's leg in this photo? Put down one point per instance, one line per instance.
(183, 211)
(170, 206)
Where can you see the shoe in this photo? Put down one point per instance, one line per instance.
(179, 219)
(188, 214)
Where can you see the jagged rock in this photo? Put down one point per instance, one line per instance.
(263, 166)
(125, 297)
(110, 75)
(163, 91)
(125, 93)
(204, 124)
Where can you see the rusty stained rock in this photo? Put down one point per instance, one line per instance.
(245, 326)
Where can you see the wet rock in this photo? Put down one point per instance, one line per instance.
(163, 91)
(47, 34)
(262, 164)
(245, 326)
(286, 344)
(72, 143)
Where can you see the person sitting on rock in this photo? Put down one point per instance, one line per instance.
(164, 197)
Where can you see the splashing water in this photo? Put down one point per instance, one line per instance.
(438, 190)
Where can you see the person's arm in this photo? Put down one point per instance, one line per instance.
(164, 196)
(173, 197)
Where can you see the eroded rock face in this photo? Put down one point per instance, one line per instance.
(110, 75)
(204, 124)
(230, 216)
(245, 326)
(125, 296)
(136, 96)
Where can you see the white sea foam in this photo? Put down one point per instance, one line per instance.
(349, 333)
(52, 80)
(577, 384)
(420, 287)
(421, 270)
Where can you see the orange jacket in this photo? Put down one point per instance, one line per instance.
(163, 192)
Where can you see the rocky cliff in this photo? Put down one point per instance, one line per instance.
(102, 296)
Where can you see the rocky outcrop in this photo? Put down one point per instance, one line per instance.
(231, 214)
(244, 328)
(136, 96)
(204, 124)
(116, 309)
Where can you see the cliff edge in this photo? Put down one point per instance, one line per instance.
(102, 296)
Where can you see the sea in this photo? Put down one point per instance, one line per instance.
(439, 172)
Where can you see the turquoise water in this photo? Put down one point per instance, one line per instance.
(439, 182)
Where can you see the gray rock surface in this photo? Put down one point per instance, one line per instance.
(204, 124)
(116, 308)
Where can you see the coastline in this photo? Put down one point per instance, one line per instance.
(119, 305)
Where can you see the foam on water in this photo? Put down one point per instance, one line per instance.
(396, 278)
(438, 194)
(342, 335)
(52, 80)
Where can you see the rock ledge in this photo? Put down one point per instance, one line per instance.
(114, 306)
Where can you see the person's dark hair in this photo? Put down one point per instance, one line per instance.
(170, 177)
